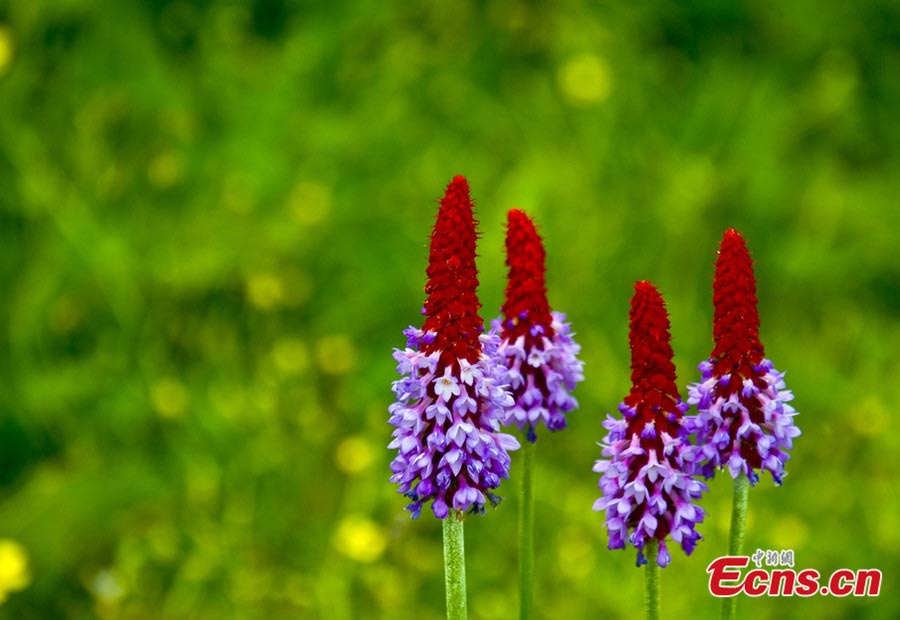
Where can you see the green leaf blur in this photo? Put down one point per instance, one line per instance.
(213, 226)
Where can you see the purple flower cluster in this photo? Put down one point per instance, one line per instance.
(757, 408)
(646, 485)
(447, 419)
(542, 376)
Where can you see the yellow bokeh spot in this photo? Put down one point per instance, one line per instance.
(354, 454)
(14, 572)
(359, 538)
(170, 397)
(6, 48)
(265, 290)
(291, 356)
(336, 354)
(164, 170)
(585, 79)
(106, 587)
(310, 202)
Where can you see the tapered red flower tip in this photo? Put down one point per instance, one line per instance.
(459, 182)
(650, 341)
(525, 255)
(457, 191)
(517, 219)
(526, 303)
(452, 305)
(456, 202)
(646, 289)
(735, 315)
(732, 235)
(648, 310)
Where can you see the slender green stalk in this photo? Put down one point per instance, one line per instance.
(455, 566)
(526, 533)
(651, 581)
(736, 536)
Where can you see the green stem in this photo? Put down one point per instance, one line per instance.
(651, 581)
(526, 533)
(736, 537)
(455, 566)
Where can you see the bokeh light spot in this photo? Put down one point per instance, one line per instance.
(106, 587)
(336, 354)
(265, 290)
(165, 170)
(585, 79)
(354, 454)
(170, 397)
(6, 48)
(310, 202)
(291, 356)
(359, 538)
(14, 572)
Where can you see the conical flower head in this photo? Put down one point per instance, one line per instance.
(536, 344)
(652, 369)
(735, 315)
(646, 485)
(450, 398)
(452, 306)
(526, 303)
(743, 420)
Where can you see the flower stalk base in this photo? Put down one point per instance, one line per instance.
(455, 566)
(651, 583)
(736, 535)
(526, 533)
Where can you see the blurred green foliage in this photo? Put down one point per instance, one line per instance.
(213, 219)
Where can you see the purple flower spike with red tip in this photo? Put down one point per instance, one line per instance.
(744, 422)
(451, 396)
(536, 344)
(646, 481)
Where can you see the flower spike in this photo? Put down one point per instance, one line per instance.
(744, 422)
(537, 344)
(646, 480)
(451, 396)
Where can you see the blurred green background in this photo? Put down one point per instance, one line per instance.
(213, 225)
